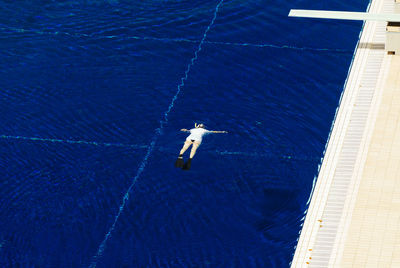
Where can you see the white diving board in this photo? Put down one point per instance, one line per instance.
(342, 15)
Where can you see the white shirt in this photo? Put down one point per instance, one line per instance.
(197, 134)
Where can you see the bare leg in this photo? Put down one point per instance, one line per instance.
(196, 145)
(186, 145)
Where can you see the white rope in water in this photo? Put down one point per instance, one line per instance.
(158, 132)
(240, 44)
(95, 143)
(79, 35)
(270, 155)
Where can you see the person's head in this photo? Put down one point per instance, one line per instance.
(199, 125)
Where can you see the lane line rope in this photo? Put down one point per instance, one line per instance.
(264, 154)
(106, 144)
(79, 35)
(271, 155)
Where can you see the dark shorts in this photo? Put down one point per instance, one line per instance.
(192, 141)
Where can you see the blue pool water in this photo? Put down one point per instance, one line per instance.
(93, 95)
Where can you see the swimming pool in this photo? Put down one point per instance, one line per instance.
(87, 86)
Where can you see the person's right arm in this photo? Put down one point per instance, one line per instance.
(185, 130)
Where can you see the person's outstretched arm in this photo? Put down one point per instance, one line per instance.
(185, 130)
(217, 131)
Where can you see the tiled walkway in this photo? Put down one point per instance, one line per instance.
(373, 239)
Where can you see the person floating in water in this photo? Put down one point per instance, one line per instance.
(194, 139)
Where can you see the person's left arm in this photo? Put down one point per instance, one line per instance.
(218, 131)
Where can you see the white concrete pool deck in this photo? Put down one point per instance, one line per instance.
(354, 215)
